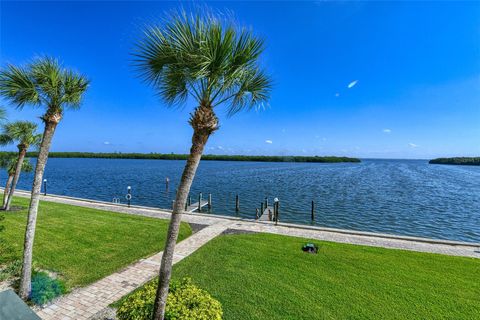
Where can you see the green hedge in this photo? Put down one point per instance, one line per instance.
(185, 302)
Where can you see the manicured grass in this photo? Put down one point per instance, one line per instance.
(84, 245)
(263, 276)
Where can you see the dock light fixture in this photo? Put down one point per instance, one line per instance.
(129, 195)
(44, 187)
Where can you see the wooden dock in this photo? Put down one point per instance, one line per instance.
(194, 207)
(265, 216)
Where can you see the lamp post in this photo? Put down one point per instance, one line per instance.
(276, 203)
(129, 195)
(44, 187)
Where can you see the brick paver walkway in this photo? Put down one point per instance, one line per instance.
(85, 302)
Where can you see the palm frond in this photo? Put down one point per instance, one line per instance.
(44, 81)
(22, 132)
(17, 86)
(204, 57)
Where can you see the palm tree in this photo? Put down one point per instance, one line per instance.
(211, 61)
(10, 165)
(44, 82)
(24, 132)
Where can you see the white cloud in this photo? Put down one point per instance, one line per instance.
(269, 141)
(387, 131)
(413, 145)
(219, 147)
(106, 143)
(352, 84)
(337, 94)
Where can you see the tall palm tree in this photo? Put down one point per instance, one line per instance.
(25, 133)
(44, 82)
(208, 59)
(10, 165)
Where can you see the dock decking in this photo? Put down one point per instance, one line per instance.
(194, 206)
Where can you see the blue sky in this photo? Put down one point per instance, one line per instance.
(417, 67)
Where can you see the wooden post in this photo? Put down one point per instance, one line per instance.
(209, 201)
(189, 200)
(200, 202)
(167, 182)
(269, 214)
(266, 202)
(262, 210)
(313, 210)
(256, 214)
(237, 203)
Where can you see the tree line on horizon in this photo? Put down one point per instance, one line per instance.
(468, 161)
(176, 156)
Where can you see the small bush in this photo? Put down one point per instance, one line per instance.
(45, 288)
(185, 301)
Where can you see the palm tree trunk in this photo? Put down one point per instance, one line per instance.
(7, 189)
(26, 280)
(18, 170)
(200, 137)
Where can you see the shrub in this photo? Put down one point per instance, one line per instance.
(185, 301)
(45, 288)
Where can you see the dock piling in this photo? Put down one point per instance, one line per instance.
(209, 201)
(237, 203)
(313, 210)
(257, 216)
(200, 202)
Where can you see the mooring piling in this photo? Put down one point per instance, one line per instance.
(237, 203)
(200, 202)
(256, 214)
(167, 182)
(209, 201)
(313, 210)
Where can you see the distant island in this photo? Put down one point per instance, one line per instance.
(467, 161)
(172, 156)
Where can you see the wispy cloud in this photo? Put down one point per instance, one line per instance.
(106, 143)
(352, 84)
(337, 94)
(413, 145)
(219, 147)
(269, 141)
(388, 131)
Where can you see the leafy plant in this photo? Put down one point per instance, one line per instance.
(45, 288)
(185, 301)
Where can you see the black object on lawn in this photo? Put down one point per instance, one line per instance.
(310, 248)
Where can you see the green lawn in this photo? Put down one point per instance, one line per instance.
(84, 245)
(263, 276)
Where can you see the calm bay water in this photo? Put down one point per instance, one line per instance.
(406, 197)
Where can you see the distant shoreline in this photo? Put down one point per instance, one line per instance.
(211, 157)
(465, 161)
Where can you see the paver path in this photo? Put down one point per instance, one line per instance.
(85, 302)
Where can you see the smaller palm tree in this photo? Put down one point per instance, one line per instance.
(10, 165)
(42, 83)
(25, 134)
